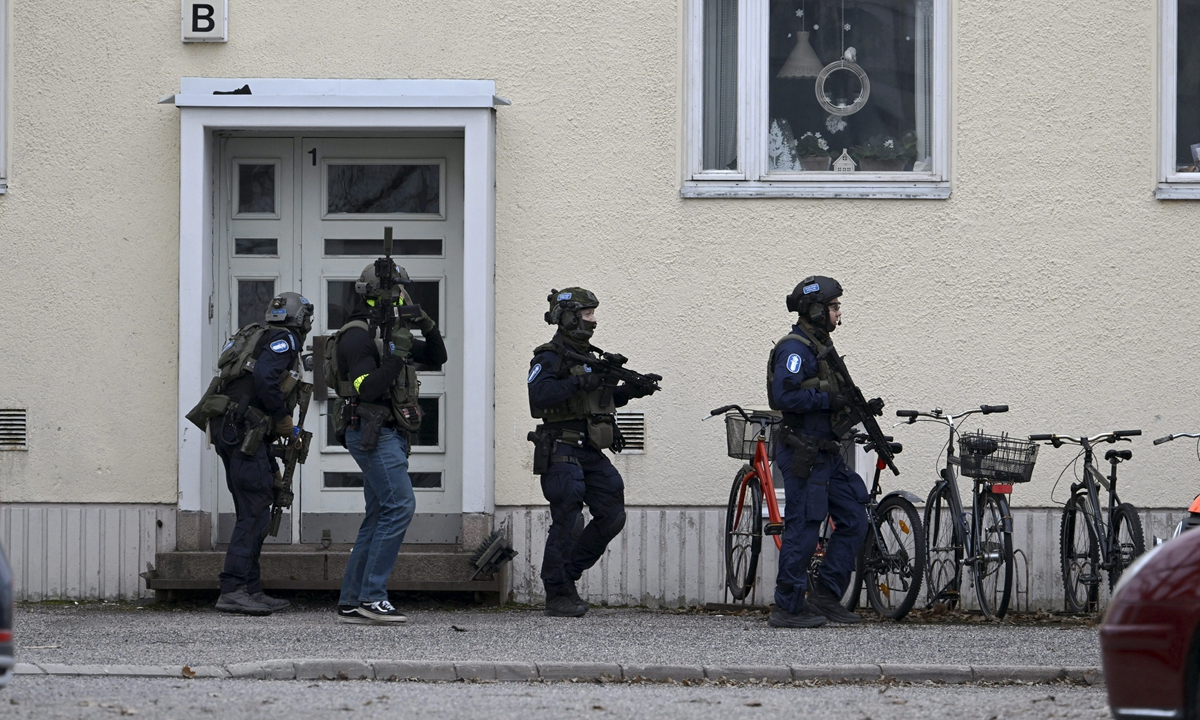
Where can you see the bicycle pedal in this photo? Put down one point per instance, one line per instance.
(773, 529)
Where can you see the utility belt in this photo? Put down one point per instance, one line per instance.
(546, 437)
(804, 449)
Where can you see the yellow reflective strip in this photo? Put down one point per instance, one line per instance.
(358, 381)
(371, 302)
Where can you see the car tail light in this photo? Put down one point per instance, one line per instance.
(1002, 489)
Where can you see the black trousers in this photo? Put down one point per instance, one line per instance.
(571, 548)
(250, 479)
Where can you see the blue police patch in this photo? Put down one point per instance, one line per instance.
(534, 373)
(280, 346)
(303, 300)
(811, 288)
(564, 296)
(587, 368)
(794, 363)
(227, 346)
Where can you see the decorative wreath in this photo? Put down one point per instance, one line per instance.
(858, 103)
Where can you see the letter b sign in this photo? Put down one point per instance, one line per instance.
(206, 21)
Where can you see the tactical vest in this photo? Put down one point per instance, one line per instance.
(237, 360)
(580, 404)
(402, 395)
(826, 380)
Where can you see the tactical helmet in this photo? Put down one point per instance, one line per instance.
(291, 310)
(565, 307)
(368, 282)
(811, 299)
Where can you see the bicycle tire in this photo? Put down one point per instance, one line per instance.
(1129, 541)
(892, 574)
(1080, 565)
(743, 534)
(993, 564)
(943, 549)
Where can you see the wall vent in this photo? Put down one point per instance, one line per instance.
(14, 430)
(633, 429)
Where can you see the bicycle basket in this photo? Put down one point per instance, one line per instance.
(743, 436)
(997, 458)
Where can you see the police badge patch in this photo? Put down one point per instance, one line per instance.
(534, 373)
(280, 346)
(794, 363)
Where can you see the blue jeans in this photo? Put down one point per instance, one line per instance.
(390, 506)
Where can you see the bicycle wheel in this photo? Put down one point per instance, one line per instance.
(943, 549)
(894, 565)
(1129, 541)
(743, 533)
(853, 593)
(993, 563)
(1080, 555)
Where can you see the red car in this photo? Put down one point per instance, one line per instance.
(1149, 639)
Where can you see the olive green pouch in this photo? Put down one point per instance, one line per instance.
(600, 431)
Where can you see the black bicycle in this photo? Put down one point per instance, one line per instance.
(1094, 540)
(891, 560)
(980, 541)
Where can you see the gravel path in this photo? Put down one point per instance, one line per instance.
(194, 635)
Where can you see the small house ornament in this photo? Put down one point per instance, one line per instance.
(844, 163)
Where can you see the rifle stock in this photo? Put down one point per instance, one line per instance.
(858, 403)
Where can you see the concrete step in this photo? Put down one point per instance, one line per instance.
(446, 571)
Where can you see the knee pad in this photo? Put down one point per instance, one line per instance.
(613, 524)
(577, 528)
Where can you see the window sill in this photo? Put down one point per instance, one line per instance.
(1177, 191)
(850, 190)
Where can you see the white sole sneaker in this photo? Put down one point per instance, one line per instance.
(381, 618)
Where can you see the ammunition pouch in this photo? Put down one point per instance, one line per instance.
(601, 431)
(258, 423)
(339, 415)
(207, 406)
(804, 451)
(372, 418)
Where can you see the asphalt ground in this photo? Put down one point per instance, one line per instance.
(85, 697)
(195, 634)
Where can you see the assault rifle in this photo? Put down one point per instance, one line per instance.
(613, 365)
(861, 410)
(391, 280)
(293, 451)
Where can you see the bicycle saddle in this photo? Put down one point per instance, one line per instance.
(1119, 454)
(977, 445)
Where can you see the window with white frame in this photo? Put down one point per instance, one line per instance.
(817, 98)
(1179, 121)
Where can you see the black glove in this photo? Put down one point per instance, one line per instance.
(838, 401)
(636, 391)
(590, 381)
(424, 323)
(876, 406)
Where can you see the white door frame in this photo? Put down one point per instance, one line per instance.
(322, 106)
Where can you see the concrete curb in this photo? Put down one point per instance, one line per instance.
(443, 671)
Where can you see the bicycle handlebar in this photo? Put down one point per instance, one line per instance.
(1109, 437)
(721, 410)
(1169, 438)
(944, 417)
(989, 409)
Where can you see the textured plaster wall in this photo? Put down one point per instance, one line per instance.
(1051, 280)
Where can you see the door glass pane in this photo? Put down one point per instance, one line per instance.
(850, 76)
(720, 84)
(374, 248)
(253, 298)
(256, 188)
(384, 189)
(340, 301)
(430, 410)
(426, 479)
(427, 294)
(256, 246)
(337, 480)
(1187, 107)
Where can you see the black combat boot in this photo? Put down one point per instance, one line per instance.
(276, 604)
(239, 601)
(781, 618)
(822, 600)
(560, 604)
(574, 595)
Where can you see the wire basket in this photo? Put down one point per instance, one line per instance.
(743, 436)
(997, 458)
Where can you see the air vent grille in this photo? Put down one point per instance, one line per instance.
(633, 429)
(14, 430)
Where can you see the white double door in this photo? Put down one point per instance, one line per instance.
(307, 214)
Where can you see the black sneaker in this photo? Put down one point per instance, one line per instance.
(349, 614)
(563, 606)
(823, 601)
(781, 618)
(240, 602)
(381, 611)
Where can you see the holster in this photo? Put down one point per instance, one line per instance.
(371, 419)
(543, 440)
(257, 425)
(804, 450)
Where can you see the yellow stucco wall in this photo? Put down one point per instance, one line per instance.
(1051, 280)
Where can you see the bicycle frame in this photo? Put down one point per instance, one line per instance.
(761, 469)
(1093, 480)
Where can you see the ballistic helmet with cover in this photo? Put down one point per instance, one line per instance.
(368, 284)
(565, 311)
(811, 299)
(291, 310)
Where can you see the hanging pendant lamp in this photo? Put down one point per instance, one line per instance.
(803, 62)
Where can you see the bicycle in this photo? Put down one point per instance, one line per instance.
(982, 540)
(1105, 541)
(1193, 518)
(891, 561)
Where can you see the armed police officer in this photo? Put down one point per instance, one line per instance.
(373, 359)
(248, 405)
(816, 415)
(574, 390)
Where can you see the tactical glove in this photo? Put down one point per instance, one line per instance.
(402, 341)
(838, 401)
(876, 406)
(636, 391)
(424, 323)
(284, 426)
(590, 381)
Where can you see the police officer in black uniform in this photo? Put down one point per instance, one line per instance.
(265, 400)
(578, 414)
(816, 480)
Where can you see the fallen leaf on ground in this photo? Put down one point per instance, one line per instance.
(188, 672)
